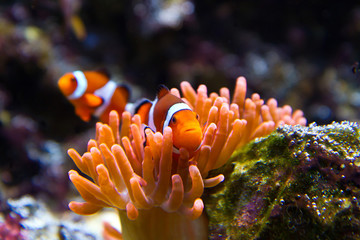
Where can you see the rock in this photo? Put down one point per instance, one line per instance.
(297, 183)
(38, 222)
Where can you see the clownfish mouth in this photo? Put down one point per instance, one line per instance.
(177, 149)
(189, 138)
(190, 130)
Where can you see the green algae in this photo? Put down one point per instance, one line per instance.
(298, 182)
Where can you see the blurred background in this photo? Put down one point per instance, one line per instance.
(304, 55)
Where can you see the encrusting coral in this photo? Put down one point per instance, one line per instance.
(157, 195)
(296, 183)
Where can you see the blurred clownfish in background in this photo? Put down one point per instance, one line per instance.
(169, 110)
(93, 93)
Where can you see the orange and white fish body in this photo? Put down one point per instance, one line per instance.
(169, 110)
(93, 93)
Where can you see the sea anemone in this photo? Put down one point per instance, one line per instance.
(159, 196)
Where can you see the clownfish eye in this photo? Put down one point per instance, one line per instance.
(196, 116)
(173, 119)
(73, 79)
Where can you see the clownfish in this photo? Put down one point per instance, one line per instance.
(169, 110)
(93, 94)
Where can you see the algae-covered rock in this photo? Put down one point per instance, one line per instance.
(297, 183)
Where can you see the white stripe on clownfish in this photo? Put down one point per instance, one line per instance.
(172, 110)
(151, 123)
(106, 93)
(81, 85)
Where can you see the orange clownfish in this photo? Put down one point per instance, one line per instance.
(169, 110)
(93, 93)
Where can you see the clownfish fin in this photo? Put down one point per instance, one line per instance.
(125, 90)
(92, 100)
(141, 104)
(162, 91)
(83, 113)
(142, 108)
(104, 71)
(144, 127)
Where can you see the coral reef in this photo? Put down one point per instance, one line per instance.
(130, 177)
(297, 183)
